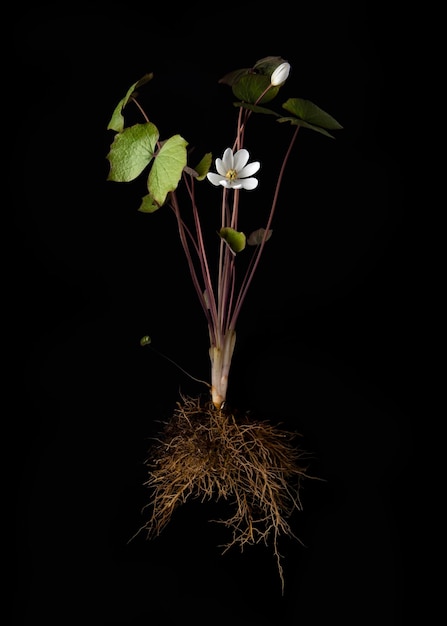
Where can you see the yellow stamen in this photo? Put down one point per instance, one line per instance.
(231, 175)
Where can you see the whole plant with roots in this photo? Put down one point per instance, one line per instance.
(205, 449)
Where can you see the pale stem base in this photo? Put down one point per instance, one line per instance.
(221, 356)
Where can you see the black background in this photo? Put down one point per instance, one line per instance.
(322, 341)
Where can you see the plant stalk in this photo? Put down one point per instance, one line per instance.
(221, 355)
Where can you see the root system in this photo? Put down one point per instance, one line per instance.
(210, 454)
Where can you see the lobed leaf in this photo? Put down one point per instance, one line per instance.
(249, 88)
(131, 151)
(167, 168)
(311, 113)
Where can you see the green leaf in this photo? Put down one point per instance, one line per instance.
(249, 88)
(234, 239)
(256, 237)
(203, 167)
(117, 120)
(249, 83)
(131, 151)
(148, 204)
(232, 77)
(263, 66)
(145, 341)
(167, 168)
(311, 113)
(268, 65)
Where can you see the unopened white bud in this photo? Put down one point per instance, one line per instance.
(280, 75)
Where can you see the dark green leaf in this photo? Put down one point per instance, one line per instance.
(232, 77)
(268, 65)
(250, 87)
(310, 112)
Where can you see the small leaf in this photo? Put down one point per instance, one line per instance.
(131, 151)
(256, 237)
(117, 121)
(167, 168)
(234, 239)
(145, 341)
(203, 167)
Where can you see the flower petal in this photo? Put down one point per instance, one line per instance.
(216, 179)
(249, 183)
(249, 169)
(241, 159)
(228, 160)
(220, 167)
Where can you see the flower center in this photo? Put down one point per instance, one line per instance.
(231, 175)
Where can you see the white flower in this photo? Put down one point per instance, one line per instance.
(233, 171)
(280, 75)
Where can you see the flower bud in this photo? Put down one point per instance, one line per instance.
(280, 75)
